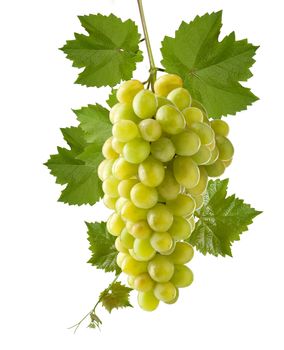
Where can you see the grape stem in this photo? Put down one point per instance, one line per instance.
(153, 69)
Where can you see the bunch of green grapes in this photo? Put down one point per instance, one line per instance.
(155, 173)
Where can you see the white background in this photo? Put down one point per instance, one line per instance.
(46, 284)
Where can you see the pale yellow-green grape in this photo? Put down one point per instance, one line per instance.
(203, 156)
(191, 221)
(126, 238)
(199, 201)
(227, 162)
(150, 129)
(180, 229)
(125, 186)
(182, 254)
(186, 143)
(163, 149)
(175, 299)
(143, 283)
(202, 184)
(109, 202)
(147, 301)
(151, 172)
(110, 186)
(212, 145)
(130, 281)
(169, 188)
(163, 101)
(171, 119)
(204, 131)
(140, 229)
(220, 127)
(107, 150)
(115, 224)
(128, 90)
(161, 242)
(180, 97)
(123, 170)
(132, 213)
(160, 218)
(183, 205)
(200, 106)
(105, 168)
(216, 169)
(133, 267)
(186, 171)
(145, 104)
(143, 196)
(166, 83)
(122, 111)
(192, 115)
(120, 246)
(120, 257)
(136, 151)
(214, 156)
(182, 277)
(125, 130)
(168, 252)
(165, 292)
(161, 269)
(143, 249)
(225, 147)
(120, 203)
(117, 145)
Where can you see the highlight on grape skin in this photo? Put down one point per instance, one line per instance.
(157, 163)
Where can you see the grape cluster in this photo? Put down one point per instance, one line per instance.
(155, 173)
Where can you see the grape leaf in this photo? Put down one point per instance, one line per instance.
(211, 69)
(108, 53)
(94, 121)
(115, 296)
(112, 100)
(102, 247)
(221, 220)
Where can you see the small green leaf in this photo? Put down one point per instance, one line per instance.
(108, 53)
(211, 69)
(115, 296)
(112, 99)
(102, 247)
(221, 220)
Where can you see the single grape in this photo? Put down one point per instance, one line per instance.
(128, 90)
(151, 172)
(180, 97)
(125, 130)
(161, 241)
(192, 115)
(171, 119)
(227, 162)
(109, 202)
(145, 104)
(117, 145)
(165, 292)
(186, 143)
(180, 229)
(120, 257)
(136, 151)
(122, 111)
(143, 196)
(203, 156)
(115, 224)
(132, 213)
(202, 184)
(182, 277)
(169, 188)
(143, 249)
(182, 254)
(163, 149)
(225, 147)
(123, 170)
(150, 129)
(175, 299)
(147, 301)
(107, 150)
(220, 127)
(126, 238)
(143, 283)
(110, 186)
(214, 156)
(216, 169)
(140, 229)
(166, 83)
(133, 267)
(105, 169)
(161, 269)
(125, 186)
(120, 246)
(160, 218)
(119, 204)
(186, 171)
(200, 106)
(183, 205)
(204, 131)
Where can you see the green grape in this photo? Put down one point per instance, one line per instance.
(161, 241)
(171, 119)
(143, 250)
(163, 149)
(175, 299)
(211, 145)
(214, 156)
(145, 104)
(166, 83)
(160, 218)
(105, 169)
(180, 97)
(182, 277)
(216, 169)
(120, 246)
(165, 292)
(123, 170)
(186, 171)
(107, 150)
(109, 202)
(220, 127)
(133, 267)
(143, 196)
(110, 186)
(126, 238)
(130, 212)
(128, 90)
(140, 229)
(191, 221)
(186, 143)
(200, 106)
(180, 229)
(122, 111)
(199, 200)
(147, 301)
(115, 224)
(130, 281)
(125, 186)
(136, 151)
(204, 131)
(151, 172)
(225, 147)
(227, 162)
(161, 269)
(202, 184)
(120, 257)
(169, 188)
(162, 101)
(150, 129)
(203, 156)
(181, 206)
(125, 130)
(182, 254)
(119, 204)
(117, 145)
(192, 115)
(168, 252)
(143, 283)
